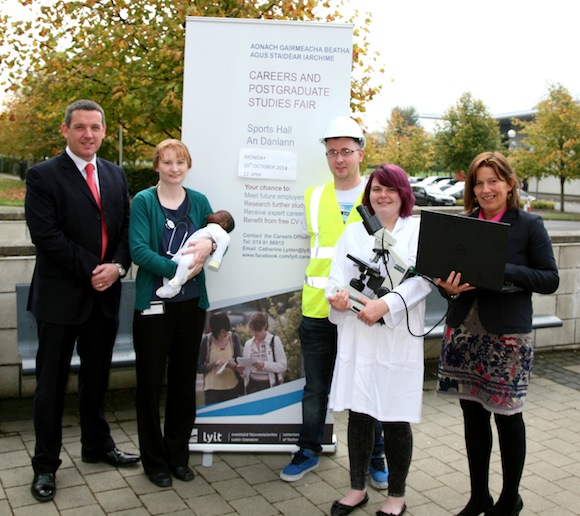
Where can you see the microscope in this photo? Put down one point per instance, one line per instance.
(371, 283)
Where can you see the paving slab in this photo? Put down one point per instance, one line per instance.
(248, 483)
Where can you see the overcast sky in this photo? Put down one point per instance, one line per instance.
(505, 52)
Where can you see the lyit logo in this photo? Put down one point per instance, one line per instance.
(214, 437)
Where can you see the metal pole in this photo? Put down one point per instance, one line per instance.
(120, 145)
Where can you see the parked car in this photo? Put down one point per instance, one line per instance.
(455, 190)
(431, 180)
(446, 183)
(525, 196)
(431, 196)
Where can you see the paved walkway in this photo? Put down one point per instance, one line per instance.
(248, 483)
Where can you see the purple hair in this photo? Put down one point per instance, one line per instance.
(392, 176)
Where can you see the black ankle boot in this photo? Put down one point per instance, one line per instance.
(501, 509)
(475, 508)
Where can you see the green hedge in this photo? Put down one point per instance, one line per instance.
(140, 178)
(542, 205)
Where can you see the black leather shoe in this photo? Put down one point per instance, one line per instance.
(43, 487)
(381, 513)
(499, 510)
(475, 509)
(184, 473)
(115, 457)
(340, 509)
(161, 479)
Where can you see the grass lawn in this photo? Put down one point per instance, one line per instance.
(557, 215)
(12, 192)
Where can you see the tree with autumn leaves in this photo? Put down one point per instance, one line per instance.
(403, 141)
(465, 130)
(128, 55)
(551, 141)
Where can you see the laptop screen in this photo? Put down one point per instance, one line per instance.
(476, 248)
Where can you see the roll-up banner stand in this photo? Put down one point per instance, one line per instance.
(257, 97)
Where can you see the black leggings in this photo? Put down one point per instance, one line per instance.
(478, 440)
(398, 451)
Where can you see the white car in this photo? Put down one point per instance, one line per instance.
(456, 190)
(525, 196)
(431, 180)
(431, 196)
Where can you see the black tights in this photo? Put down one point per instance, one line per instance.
(398, 451)
(478, 440)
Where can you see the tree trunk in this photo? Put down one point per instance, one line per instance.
(562, 182)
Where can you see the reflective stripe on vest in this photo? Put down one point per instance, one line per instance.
(316, 281)
(316, 251)
(325, 226)
(322, 252)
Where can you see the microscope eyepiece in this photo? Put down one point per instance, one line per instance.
(371, 222)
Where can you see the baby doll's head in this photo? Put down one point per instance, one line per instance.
(224, 219)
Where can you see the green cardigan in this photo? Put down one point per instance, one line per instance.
(145, 228)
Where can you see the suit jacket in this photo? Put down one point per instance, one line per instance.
(530, 264)
(65, 225)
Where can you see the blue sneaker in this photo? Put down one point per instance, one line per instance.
(378, 473)
(303, 461)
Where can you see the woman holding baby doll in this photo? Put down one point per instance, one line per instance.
(166, 333)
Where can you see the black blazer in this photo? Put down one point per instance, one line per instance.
(530, 264)
(65, 225)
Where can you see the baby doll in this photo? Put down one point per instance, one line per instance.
(219, 225)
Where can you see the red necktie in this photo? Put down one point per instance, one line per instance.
(90, 170)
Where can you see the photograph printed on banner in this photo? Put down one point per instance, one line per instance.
(249, 347)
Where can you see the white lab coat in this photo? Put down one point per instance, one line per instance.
(379, 368)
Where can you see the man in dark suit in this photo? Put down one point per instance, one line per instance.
(76, 288)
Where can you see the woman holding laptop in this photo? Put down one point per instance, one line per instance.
(487, 351)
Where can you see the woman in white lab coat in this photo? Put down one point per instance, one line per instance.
(379, 367)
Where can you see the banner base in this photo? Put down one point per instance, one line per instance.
(209, 450)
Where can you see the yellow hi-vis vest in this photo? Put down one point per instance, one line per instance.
(325, 225)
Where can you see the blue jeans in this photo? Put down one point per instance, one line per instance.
(318, 343)
(379, 446)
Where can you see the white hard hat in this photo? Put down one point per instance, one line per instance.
(344, 127)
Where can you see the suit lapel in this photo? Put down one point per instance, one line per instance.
(105, 182)
(74, 176)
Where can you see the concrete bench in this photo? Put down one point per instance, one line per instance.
(437, 308)
(124, 354)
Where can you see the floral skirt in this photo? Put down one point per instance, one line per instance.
(491, 368)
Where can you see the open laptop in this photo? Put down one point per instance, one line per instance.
(476, 248)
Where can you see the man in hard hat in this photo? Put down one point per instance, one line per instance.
(328, 209)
